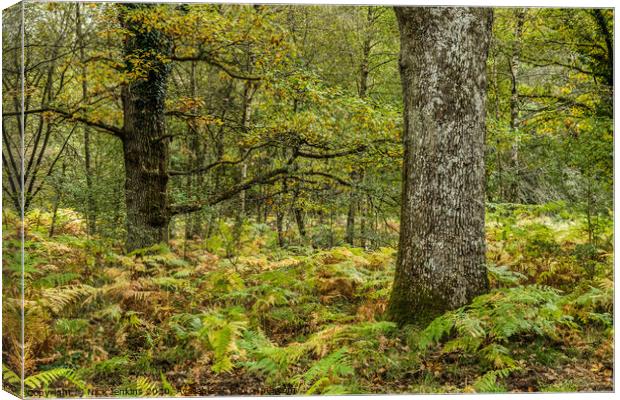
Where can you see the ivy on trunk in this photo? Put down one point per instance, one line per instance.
(145, 145)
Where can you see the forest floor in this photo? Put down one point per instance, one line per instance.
(187, 319)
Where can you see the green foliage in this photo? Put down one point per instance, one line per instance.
(109, 367)
(502, 275)
(499, 315)
(156, 249)
(71, 327)
(567, 386)
(10, 377)
(44, 379)
(166, 386)
(220, 331)
(146, 387)
(324, 375)
(592, 303)
(271, 360)
(558, 147)
(224, 282)
(491, 322)
(489, 381)
(310, 321)
(57, 279)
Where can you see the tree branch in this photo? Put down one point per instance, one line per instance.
(329, 176)
(332, 155)
(113, 130)
(214, 164)
(210, 61)
(227, 194)
(559, 99)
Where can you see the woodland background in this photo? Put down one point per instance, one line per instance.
(284, 176)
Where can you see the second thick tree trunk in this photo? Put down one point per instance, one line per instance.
(144, 144)
(441, 259)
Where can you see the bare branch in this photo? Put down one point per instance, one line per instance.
(218, 163)
(229, 193)
(333, 155)
(210, 61)
(115, 131)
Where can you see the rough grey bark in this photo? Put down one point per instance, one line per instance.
(145, 146)
(441, 259)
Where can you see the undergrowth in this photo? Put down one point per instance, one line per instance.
(191, 318)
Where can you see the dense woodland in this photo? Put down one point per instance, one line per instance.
(282, 199)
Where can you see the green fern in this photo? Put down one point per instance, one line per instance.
(146, 387)
(489, 381)
(184, 325)
(437, 329)
(108, 367)
(156, 249)
(592, 303)
(326, 371)
(502, 314)
(330, 345)
(224, 281)
(71, 327)
(56, 279)
(340, 389)
(10, 377)
(483, 327)
(220, 331)
(504, 276)
(268, 359)
(45, 378)
(172, 284)
(318, 386)
(168, 389)
(268, 296)
(463, 343)
(498, 356)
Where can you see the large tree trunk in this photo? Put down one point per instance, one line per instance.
(144, 145)
(441, 259)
